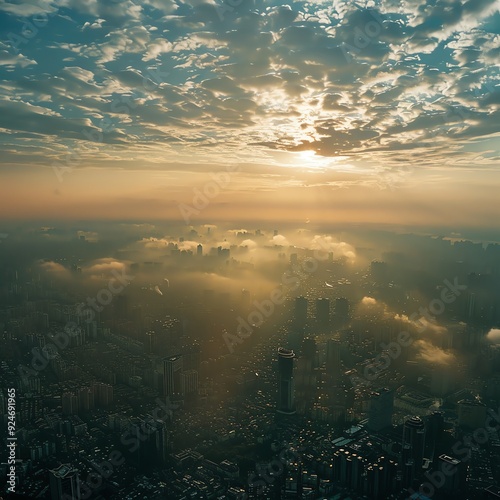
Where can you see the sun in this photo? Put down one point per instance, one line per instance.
(309, 158)
(308, 155)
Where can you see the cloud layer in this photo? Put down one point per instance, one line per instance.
(361, 94)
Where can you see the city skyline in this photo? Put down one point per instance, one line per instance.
(249, 249)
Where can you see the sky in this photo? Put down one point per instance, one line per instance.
(380, 112)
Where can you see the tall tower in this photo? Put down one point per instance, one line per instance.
(333, 367)
(172, 369)
(286, 386)
(323, 311)
(341, 311)
(64, 483)
(381, 408)
(412, 455)
(300, 311)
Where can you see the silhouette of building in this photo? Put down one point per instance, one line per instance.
(323, 311)
(412, 454)
(64, 483)
(341, 310)
(300, 312)
(435, 433)
(454, 475)
(471, 414)
(378, 271)
(286, 386)
(333, 366)
(309, 350)
(381, 409)
(189, 382)
(491, 493)
(172, 369)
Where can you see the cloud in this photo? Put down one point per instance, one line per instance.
(55, 269)
(433, 354)
(13, 60)
(493, 336)
(369, 301)
(280, 240)
(103, 268)
(174, 85)
(188, 245)
(328, 243)
(251, 244)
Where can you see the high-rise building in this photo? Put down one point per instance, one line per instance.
(172, 369)
(199, 249)
(323, 311)
(378, 271)
(151, 438)
(412, 455)
(333, 366)
(191, 358)
(341, 310)
(286, 386)
(491, 493)
(381, 408)
(300, 312)
(309, 350)
(64, 483)
(435, 432)
(471, 414)
(454, 472)
(103, 394)
(69, 403)
(189, 382)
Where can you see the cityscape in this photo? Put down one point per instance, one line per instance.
(249, 250)
(249, 364)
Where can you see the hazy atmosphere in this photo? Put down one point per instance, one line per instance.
(249, 250)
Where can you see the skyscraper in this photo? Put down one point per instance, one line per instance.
(189, 382)
(172, 369)
(412, 455)
(64, 483)
(381, 408)
(341, 311)
(300, 311)
(454, 475)
(333, 367)
(323, 311)
(286, 386)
